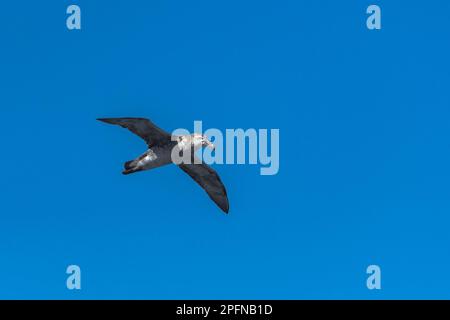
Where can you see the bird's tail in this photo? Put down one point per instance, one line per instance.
(130, 167)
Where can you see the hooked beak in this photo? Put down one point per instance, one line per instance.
(211, 145)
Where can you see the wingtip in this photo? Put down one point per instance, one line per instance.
(108, 120)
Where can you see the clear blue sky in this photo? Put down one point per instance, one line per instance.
(364, 128)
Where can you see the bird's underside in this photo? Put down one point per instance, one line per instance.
(159, 151)
(152, 158)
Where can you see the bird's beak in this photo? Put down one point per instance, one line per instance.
(211, 145)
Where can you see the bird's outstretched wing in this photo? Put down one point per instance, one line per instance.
(142, 127)
(209, 180)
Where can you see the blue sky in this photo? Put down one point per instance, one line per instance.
(364, 149)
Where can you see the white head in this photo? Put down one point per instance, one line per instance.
(200, 140)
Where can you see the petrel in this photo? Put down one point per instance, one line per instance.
(160, 146)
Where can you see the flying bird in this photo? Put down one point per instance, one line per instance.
(159, 153)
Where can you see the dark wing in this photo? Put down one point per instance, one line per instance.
(144, 128)
(209, 180)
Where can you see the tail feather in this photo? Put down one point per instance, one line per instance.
(130, 167)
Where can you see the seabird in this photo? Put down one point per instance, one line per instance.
(160, 145)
